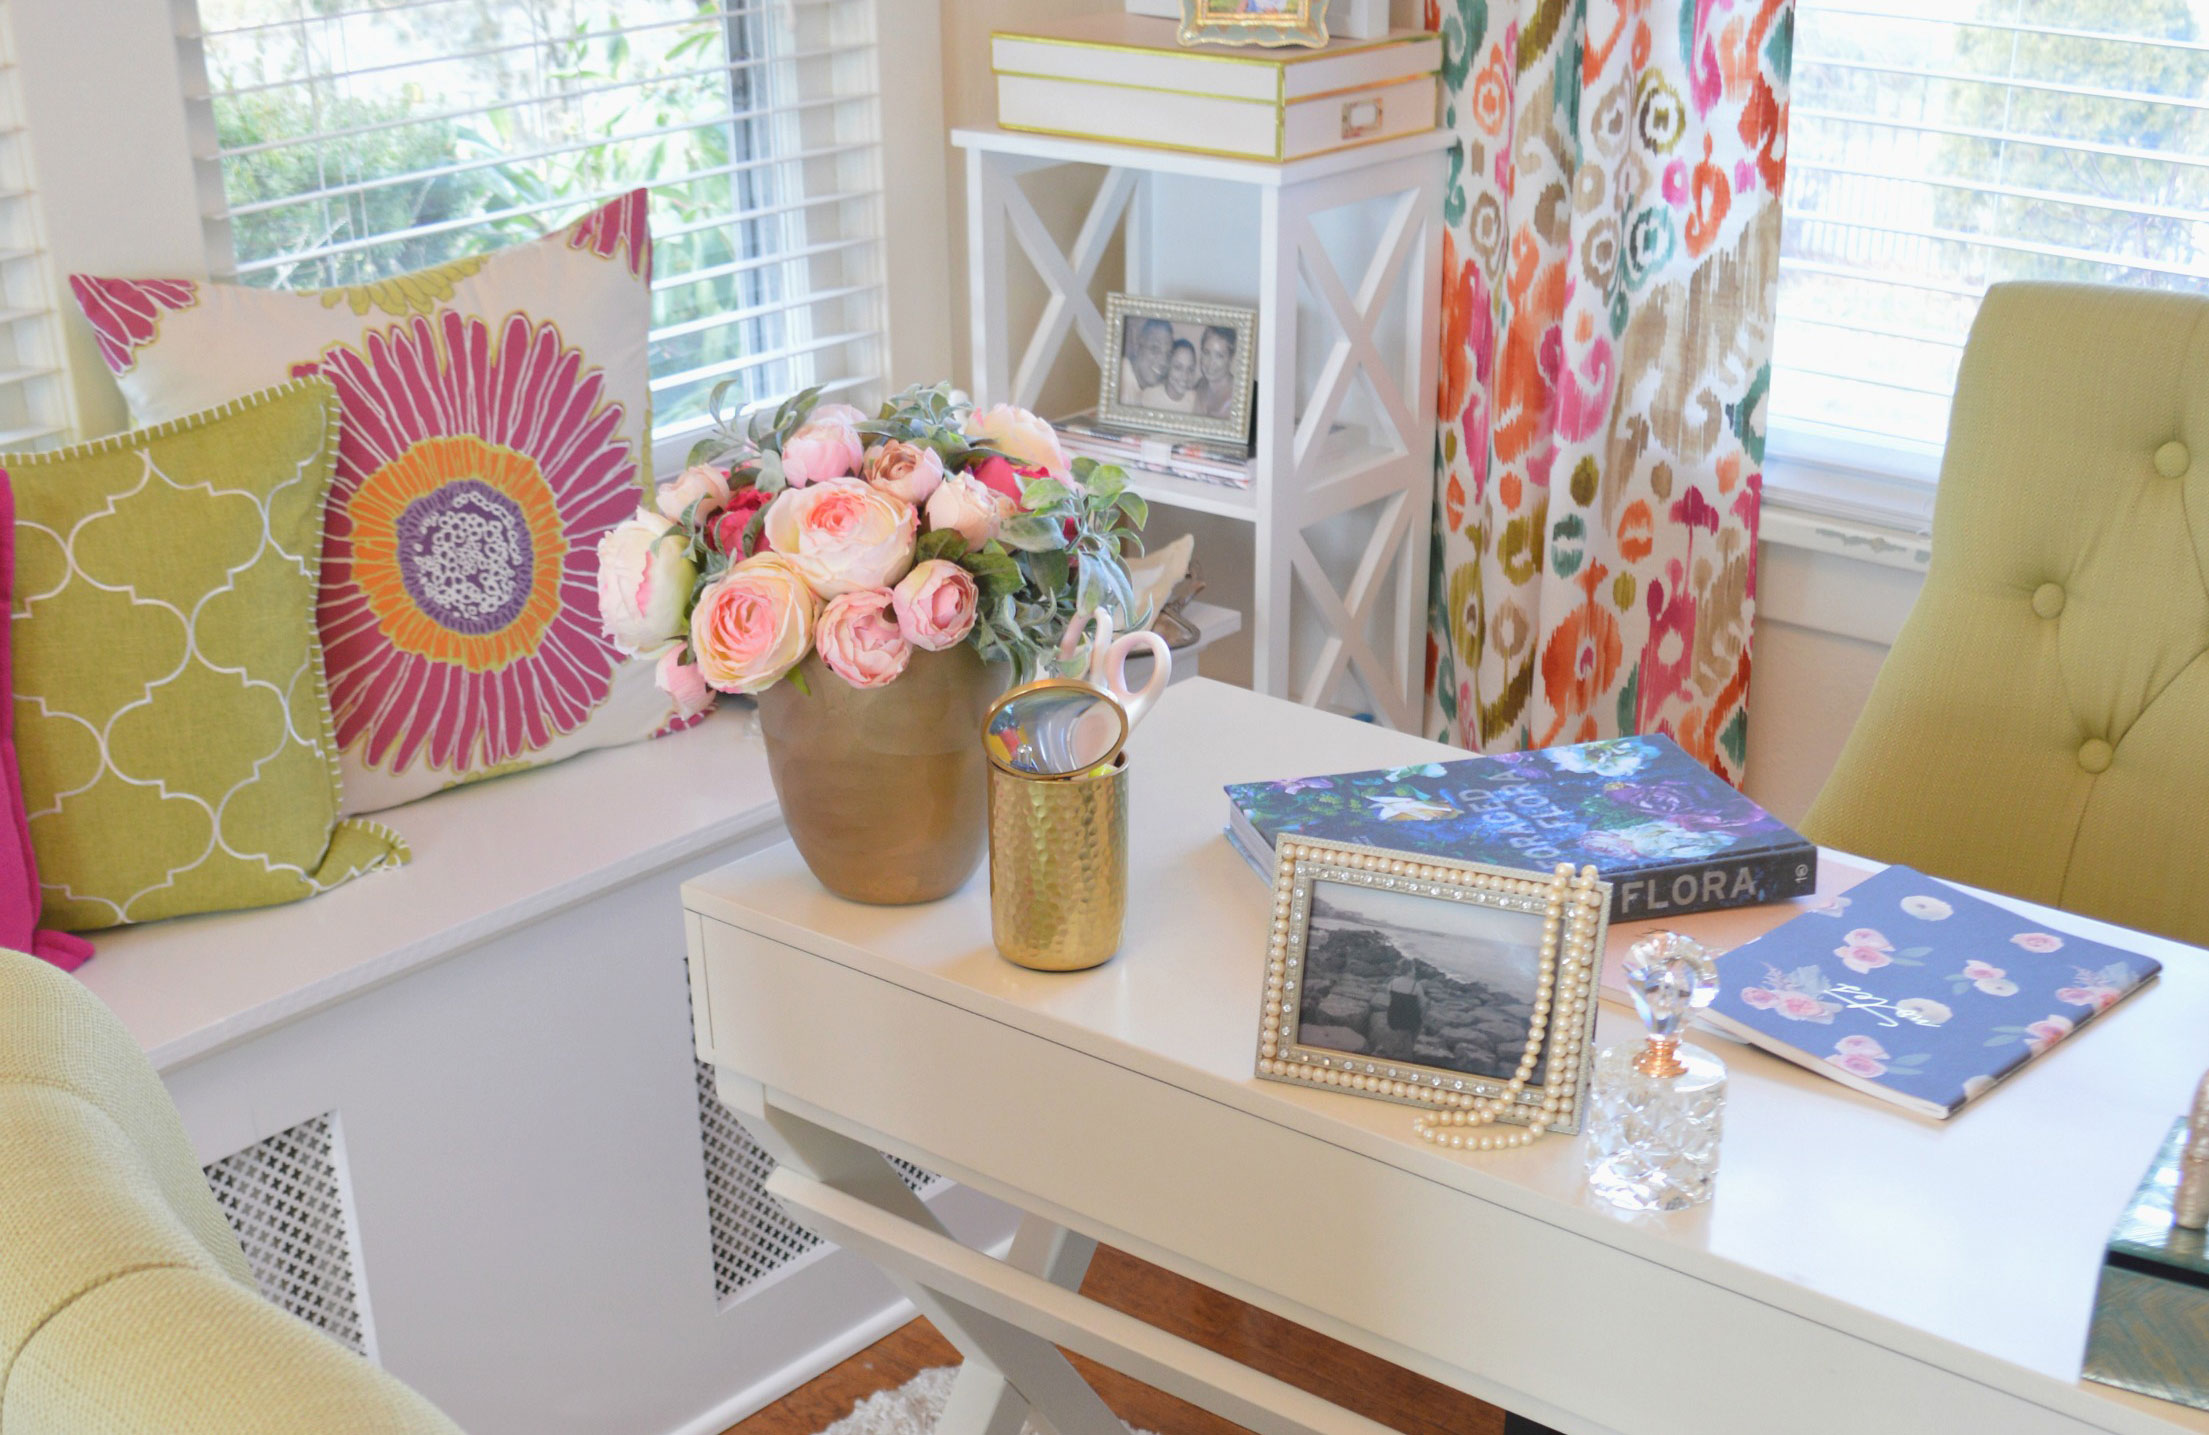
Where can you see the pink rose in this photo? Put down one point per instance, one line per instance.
(935, 604)
(841, 535)
(728, 528)
(1863, 959)
(2038, 941)
(752, 625)
(1829, 906)
(1867, 937)
(1979, 971)
(1860, 1046)
(1760, 998)
(1996, 986)
(2046, 1032)
(1856, 1065)
(1002, 479)
(682, 682)
(1801, 1006)
(909, 471)
(859, 639)
(825, 446)
(2099, 998)
(963, 504)
(701, 484)
(1021, 437)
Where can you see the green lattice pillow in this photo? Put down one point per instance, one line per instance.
(172, 721)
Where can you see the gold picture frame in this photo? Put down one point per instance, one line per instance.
(1254, 22)
(1465, 946)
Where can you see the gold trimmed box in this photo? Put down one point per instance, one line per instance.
(1124, 78)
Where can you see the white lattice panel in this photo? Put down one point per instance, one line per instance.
(286, 1200)
(752, 1237)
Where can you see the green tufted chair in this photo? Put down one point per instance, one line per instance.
(126, 1306)
(2041, 727)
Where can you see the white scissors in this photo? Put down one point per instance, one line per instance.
(1105, 669)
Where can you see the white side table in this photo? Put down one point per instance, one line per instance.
(1323, 336)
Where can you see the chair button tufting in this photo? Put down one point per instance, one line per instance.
(2048, 599)
(2172, 459)
(2094, 755)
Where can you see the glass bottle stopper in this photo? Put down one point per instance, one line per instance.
(1669, 975)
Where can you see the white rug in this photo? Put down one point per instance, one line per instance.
(912, 1408)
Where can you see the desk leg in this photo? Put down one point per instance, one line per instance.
(984, 1400)
(1008, 1372)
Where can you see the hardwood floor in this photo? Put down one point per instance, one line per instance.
(1386, 1393)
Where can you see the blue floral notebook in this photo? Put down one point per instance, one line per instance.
(1912, 991)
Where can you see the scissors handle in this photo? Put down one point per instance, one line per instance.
(1098, 622)
(1109, 671)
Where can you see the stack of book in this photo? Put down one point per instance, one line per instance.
(1187, 458)
(1126, 77)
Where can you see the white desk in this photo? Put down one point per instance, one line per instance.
(1859, 1270)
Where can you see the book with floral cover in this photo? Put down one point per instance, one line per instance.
(1670, 836)
(1916, 992)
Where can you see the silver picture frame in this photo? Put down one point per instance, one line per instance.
(1526, 916)
(1197, 326)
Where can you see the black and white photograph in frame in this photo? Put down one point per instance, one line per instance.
(1174, 367)
(1409, 978)
(1405, 978)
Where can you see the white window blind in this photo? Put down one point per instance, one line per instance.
(35, 407)
(348, 140)
(1939, 146)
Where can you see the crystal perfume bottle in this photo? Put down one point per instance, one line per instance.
(1654, 1125)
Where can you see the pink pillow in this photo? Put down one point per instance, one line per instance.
(19, 894)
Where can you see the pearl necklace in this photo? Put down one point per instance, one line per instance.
(1568, 927)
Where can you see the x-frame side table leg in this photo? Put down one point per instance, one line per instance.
(1008, 1372)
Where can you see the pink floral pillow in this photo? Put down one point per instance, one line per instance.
(495, 423)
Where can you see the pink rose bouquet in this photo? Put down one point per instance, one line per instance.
(814, 528)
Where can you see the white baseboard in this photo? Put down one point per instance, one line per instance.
(763, 1393)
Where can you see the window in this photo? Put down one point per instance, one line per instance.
(34, 393)
(347, 140)
(1939, 146)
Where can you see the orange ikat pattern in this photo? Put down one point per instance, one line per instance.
(1610, 267)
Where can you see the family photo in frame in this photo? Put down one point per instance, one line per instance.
(1178, 368)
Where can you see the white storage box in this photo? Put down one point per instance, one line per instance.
(1123, 77)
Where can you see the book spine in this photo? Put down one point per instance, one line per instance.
(1714, 884)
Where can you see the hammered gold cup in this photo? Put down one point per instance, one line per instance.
(1058, 865)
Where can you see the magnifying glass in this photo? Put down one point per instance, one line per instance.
(1055, 727)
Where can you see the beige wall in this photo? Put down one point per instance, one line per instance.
(1804, 695)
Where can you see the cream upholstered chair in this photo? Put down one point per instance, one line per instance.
(2041, 726)
(125, 1304)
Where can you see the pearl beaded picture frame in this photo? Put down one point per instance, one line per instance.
(1397, 976)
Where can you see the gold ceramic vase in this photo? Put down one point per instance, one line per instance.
(885, 790)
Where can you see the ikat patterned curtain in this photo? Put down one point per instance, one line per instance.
(1610, 266)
